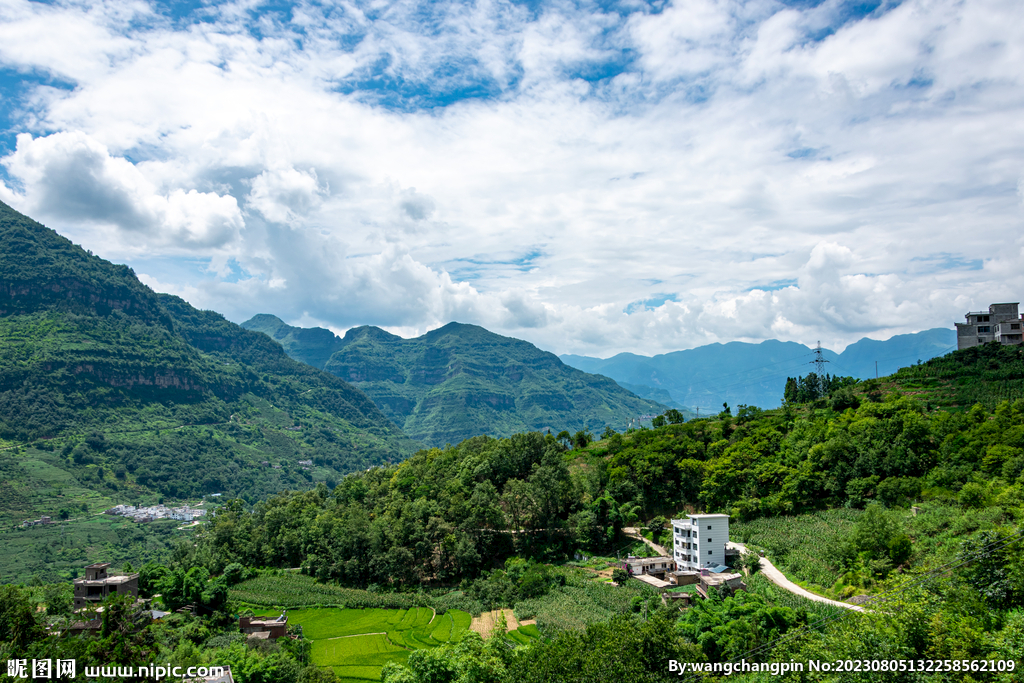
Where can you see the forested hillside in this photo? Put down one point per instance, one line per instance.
(112, 393)
(460, 381)
(824, 488)
(448, 512)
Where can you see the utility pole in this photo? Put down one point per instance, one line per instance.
(876, 369)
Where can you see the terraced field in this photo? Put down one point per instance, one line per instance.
(356, 643)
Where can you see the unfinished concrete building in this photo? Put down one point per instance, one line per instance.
(1001, 323)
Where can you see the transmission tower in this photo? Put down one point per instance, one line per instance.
(819, 362)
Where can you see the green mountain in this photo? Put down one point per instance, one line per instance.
(110, 392)
(462, 380)
(755, 374)
(310, 345)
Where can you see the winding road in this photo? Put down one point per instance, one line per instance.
(780, 580)
(770, 571)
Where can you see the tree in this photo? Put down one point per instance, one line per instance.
(620, 576)
(59, 599)
(516, 498)
(233, 573)
(18, 625)
(151, 575)
(792, 393)
(874, 530)
(582, 438)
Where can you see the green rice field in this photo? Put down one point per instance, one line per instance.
(356, 643)
(524, 635)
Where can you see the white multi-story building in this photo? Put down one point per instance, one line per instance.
(699, 541)
(1001, 323)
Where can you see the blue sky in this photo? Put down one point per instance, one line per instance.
(595, 177)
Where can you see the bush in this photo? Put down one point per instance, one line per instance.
(750, 561)
(234, 573)
(620, 576)
(972, 495)
(899, 549)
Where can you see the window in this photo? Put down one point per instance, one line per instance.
(709, 527)
(709, 540)
(982, 318)
(1014, 326)
(709, 552)
(984, 328)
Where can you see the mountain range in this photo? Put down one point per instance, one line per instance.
(461, 380)
(110, 392)
(755, 374)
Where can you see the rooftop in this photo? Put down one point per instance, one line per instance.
(651, 581)
(105, 581)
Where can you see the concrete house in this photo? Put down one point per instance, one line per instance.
(1001, 323)
(96, 585)
(699, 541)
(270, 629)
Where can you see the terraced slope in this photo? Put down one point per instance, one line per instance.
(356, 643)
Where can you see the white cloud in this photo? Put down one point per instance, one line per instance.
(71, 178)
(759, 171)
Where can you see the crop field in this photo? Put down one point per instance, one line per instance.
(357, 658)
(57, 552)
(579, 602)
(356, 643)
(799, 545)
(524, 635)
(291, 590)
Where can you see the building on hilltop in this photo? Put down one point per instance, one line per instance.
(699, 541)
(96, 585)
(1001, 323)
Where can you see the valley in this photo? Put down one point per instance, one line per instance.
(371, 503)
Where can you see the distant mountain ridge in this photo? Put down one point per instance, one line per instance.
(461, 380)
(755, 374)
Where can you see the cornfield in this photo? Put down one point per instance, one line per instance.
(800, 546)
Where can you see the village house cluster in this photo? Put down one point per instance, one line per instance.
(148, 514)
(45, 519)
